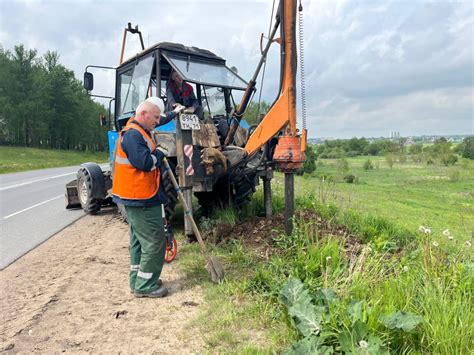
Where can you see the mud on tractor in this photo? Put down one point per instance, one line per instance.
(219, 159)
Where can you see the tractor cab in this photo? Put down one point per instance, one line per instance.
(217, 88)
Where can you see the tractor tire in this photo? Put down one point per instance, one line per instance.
(84, 187)
(238, 194)
(170, 192)
(244, 188)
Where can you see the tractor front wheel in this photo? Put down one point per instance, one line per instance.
(84, 189)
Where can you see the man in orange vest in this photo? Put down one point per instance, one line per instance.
(136, 185)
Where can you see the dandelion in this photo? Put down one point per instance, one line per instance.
(421, 229)
(446, 233)
(328, 259)
(435, 244)
(363, 344)
(450, 237)
(467, 243)
(427, 230)
(405, 268)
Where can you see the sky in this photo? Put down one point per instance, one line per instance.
(371, 67)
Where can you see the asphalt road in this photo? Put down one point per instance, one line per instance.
(32, 210)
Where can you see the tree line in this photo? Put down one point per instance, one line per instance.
(442, 149)
(43, 105)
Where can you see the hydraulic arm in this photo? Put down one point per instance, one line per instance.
(289, 153)
(283, 111)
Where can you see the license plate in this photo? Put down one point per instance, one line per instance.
(189, 121)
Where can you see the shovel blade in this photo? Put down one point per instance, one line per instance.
(215, 269)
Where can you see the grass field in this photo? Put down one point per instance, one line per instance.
(392, 288)
(15, 159)
(408, 194)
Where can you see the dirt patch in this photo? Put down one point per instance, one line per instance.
(258, 233)
(71, 294)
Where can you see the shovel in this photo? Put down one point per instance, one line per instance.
(213, 265)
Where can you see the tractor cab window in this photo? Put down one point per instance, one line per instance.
(124, 83)
(206, 73)
(213, 100)
(139, 85)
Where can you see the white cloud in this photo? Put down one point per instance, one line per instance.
(371, 67)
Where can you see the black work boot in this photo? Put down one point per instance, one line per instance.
(160, 283)
(160, 292)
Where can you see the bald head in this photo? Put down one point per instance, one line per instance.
(148, 115)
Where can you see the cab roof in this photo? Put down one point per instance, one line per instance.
(177, 48)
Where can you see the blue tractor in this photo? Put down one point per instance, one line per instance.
(214, 172)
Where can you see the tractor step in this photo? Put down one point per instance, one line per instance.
(72, 198)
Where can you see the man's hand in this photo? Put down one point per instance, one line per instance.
(178, 108)
(190, 110)
(159, 154)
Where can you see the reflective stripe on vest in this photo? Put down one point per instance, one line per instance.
(129, 182)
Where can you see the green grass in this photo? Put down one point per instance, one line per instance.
(397, 267)
(15, 159)
(409, 194)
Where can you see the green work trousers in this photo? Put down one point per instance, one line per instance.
(147, 247)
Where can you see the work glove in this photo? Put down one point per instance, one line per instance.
(159, 155)
(178, 108)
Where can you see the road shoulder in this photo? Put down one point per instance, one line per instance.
(71, 293)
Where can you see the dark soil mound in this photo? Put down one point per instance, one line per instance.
(258, 233)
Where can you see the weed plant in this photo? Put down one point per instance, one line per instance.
(399, 290)
(414, 296)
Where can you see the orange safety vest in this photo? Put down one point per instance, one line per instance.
(129, 182)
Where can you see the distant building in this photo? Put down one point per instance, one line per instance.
(394, 135)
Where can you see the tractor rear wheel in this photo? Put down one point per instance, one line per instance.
(84, 189)
(236, 193)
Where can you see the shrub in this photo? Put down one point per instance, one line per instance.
(449, 159)
(467, 147)
(390, 160)
(368, 164)
(454, 174)
(402, 158)
(350, 178)
(417, 158)
(310, 163)
(343, 165)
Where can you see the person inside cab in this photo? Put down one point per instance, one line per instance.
(180, 92)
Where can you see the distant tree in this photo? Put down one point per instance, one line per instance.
(441, 146)
(466, 148)
(401, 144)
(310, 163)
(416, 148)
(254, 112)
(357, 145)
(42, 104)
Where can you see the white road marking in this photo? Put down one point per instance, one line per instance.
(33, 181)
(29, 208)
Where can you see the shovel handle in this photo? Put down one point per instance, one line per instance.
(187, 211)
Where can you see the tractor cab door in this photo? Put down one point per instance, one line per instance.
(135, 82)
